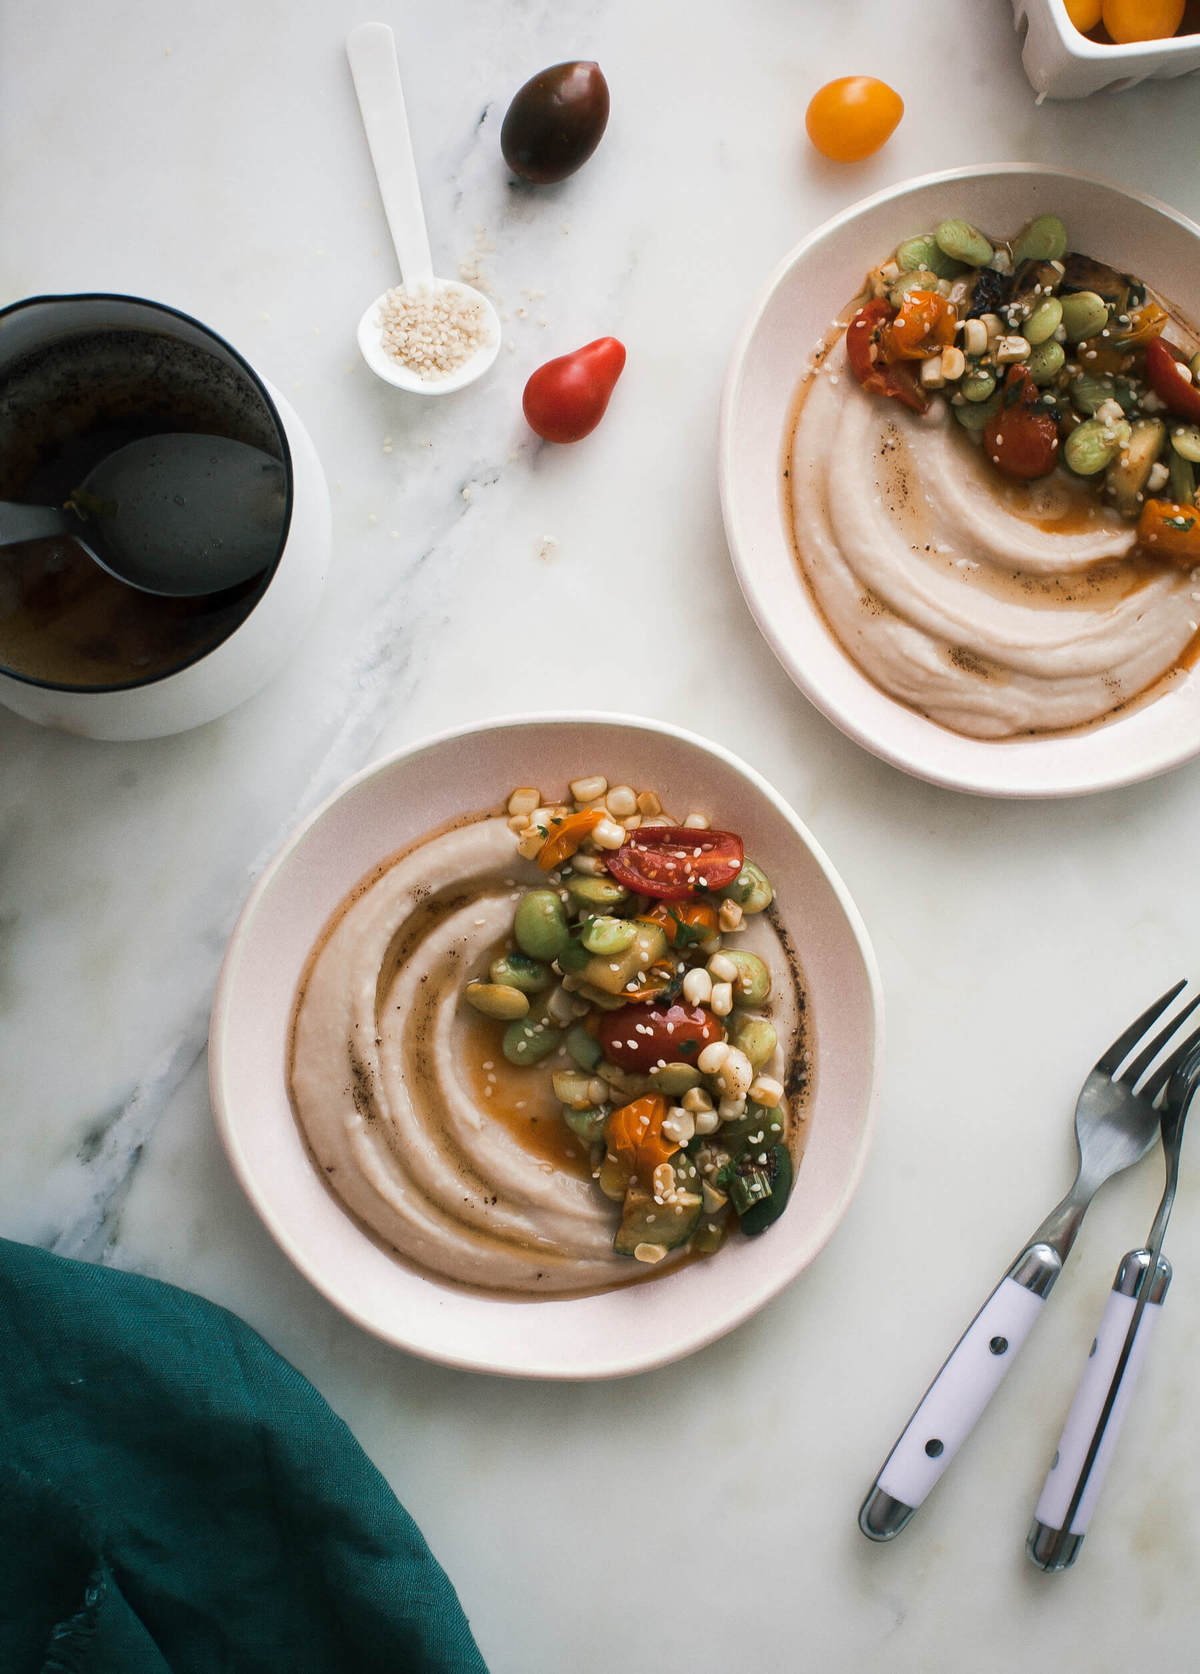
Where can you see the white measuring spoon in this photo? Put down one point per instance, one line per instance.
(371, 49)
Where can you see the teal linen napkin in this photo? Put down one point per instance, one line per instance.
(176, 1499)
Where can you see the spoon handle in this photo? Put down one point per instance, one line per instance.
(371, 49)
(32, 523)
(1102, 1401)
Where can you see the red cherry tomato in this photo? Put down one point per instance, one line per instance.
(639, 1037)
(1170, 382)
(1022, 439)
(565, 399)
(671, 862)
(849, 118)
(864, 351)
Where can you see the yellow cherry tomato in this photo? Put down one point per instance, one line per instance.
(1084, 14)
(1141, 20)
(850, 118)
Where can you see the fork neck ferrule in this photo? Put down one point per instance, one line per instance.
(1037, 1268)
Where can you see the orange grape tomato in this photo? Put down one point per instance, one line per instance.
(566, 836)
(635, 1135)
(1084, 14)
(1170, 531)
(1144, 323)
(696, 921)
(926, 323)
(1141, 20)
(850, 118)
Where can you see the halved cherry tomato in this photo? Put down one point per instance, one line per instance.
(639, 1037)
(1170, 382)
(851, 117)
(566, 836)
(635, 1137)
(1022, 439)
(685, 924)
(566, 398)
(926, 323)
(864, 351)
(1170, 531)
(671, 862)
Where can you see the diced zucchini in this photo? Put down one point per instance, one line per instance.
(1127, 475)
(668, 1224)
(759, 1184)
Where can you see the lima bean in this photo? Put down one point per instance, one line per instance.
(751, 889)
(1046, 361)
(921, 252)
(1044, 239)
(518, 970)
(974, 415)
(496, 999)
(675, 1079)
(608, 935)
(757, 1038)
(584, 1048)
(1084, 314)
(1044, 321)
(753, 981)
(595, 892)
(964, 243)
(540, 924)
(524, 1042)
(1090, 447)
(588, 1124)
(978, 386)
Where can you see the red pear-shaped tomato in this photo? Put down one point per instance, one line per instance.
(565, 399)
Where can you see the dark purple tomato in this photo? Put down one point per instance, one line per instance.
(555, 122)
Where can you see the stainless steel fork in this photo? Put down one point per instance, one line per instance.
(1116, 1123)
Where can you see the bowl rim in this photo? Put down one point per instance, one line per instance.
(614, 1364)
(1141, 765)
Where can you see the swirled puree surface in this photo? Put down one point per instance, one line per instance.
(456, 1161)
(995, 608)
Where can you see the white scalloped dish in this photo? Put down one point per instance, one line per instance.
(382, 811)
(812, 287)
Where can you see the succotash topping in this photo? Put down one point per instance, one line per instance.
(627, 961)
(1048, 359)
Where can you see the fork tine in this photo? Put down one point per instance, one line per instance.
(1112, 1060)
(1142, 1062)
(1185, 1050)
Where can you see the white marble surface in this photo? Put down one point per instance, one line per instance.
(702, 1516)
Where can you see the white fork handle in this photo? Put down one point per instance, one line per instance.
(1089, 1436)
(951, 1406)
(371, 49)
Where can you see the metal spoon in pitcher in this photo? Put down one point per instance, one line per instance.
(177, 515)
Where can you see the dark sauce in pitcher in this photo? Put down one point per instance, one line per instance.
(63, 408)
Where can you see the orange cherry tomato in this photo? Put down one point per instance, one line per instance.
(1167, 530)
(850, 118)
(635, 1135)
(1084, 14)
(684, 921)
(865, 336)
(926, 323)
(1141, 20)
(566, 837)
(1144, 323)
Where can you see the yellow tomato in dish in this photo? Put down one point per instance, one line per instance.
(1141, 20)
(850, 118)
(1084, 14)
